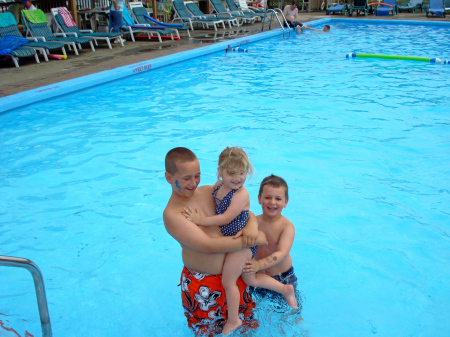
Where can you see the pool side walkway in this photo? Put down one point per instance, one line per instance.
(31, 75)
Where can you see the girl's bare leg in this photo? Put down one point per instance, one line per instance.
(267, 282)
(232, 268)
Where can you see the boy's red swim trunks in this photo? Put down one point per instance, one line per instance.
(205, 306)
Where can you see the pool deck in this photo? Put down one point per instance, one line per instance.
(31, 75)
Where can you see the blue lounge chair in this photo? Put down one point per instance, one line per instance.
(384, 10)
(193, 8)
(360, 6)
(341, 9)
(8, 26)
(12, 46)
(141, 17)
(129, 26)
(436, 7)
(74, 31)
(183, 15)
(412, 6)
(233, 8)
(220, 10)
(42, 31)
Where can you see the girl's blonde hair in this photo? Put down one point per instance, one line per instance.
(234, 159)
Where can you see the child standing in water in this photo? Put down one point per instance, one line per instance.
(232, 212)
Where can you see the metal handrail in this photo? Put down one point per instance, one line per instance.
(10, 261)
(272, 12)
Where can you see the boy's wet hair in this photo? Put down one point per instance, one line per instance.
(178, 155)
(276, 182)
(328, 26)
(233, 159)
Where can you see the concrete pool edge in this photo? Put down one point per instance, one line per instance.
(24, 98)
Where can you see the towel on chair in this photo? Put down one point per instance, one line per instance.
(7, 19)
(35, 16)
(8, 43)
(67, 17)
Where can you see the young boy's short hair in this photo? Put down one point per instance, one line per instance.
(274, 181)
(178, 155)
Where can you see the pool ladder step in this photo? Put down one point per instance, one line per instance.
(11, 261)
(272, 12)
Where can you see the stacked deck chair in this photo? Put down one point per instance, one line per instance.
(193, 8)
(360, 6)
(36, 24)
(219, 9)
(12, 46)
(183, 15)
(130, 27)
(337, 9)
(412, 6)
(141, 17)
(234, 9)
(384, 10)
(67, 25)
(436, 7)
(8, 26)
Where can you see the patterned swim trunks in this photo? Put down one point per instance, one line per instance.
(205, 305)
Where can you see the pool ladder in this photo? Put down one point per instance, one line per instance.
(272, 12)
(10, 261)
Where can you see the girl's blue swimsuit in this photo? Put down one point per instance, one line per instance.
(237, 223)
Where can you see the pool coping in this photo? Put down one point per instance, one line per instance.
(65, 87)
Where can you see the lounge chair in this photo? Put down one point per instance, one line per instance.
(183, 15)
(233, 8)
(360, 6)
(390, 7)
(193, 8)
(130, 27)
(341, 9)
(220, 10)
(412, 6)
(436, 7)
(8, 26)
(63, 28)
(42, 31)
(141, 17)
(12, 46)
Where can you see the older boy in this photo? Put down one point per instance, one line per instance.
(203, 248)
(274, 259)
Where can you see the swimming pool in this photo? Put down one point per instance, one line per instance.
(363, 145)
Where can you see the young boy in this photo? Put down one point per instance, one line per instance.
(274, 259)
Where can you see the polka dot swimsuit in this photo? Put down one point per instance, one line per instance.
(237, 223)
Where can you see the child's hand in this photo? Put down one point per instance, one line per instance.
(261, 240)
(251, 267)
(250, 234)
(193, 216)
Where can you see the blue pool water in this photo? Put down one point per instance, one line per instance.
(363, 145)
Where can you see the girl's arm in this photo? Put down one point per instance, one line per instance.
(239, 201)
(190, 235)
(283, 249)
